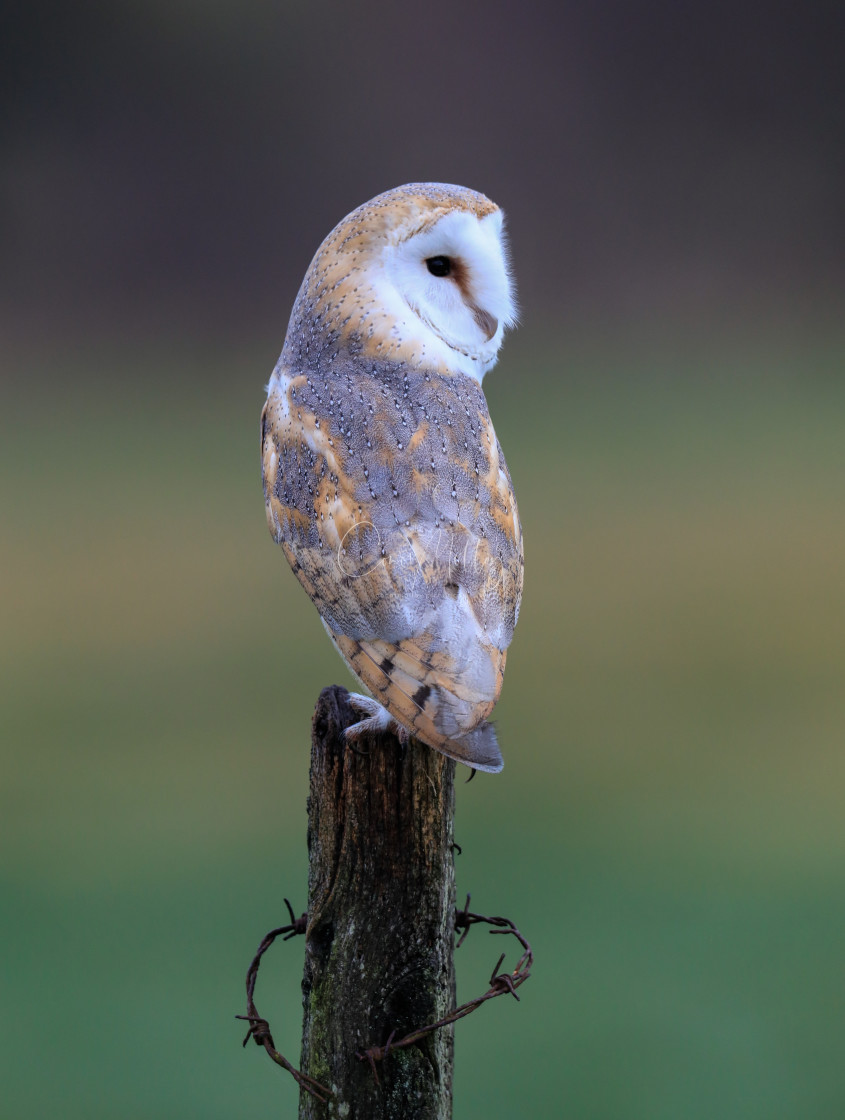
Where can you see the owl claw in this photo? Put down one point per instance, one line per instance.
(378, 719)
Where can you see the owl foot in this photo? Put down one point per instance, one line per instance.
(378, 719)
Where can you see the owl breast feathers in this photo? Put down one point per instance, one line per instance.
(384, 482)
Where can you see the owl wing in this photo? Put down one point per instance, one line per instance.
(403, 529)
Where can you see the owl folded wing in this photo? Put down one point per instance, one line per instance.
(419, 587)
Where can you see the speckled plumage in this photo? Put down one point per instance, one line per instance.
(384, 481)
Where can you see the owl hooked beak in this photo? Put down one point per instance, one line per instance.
(487, 323)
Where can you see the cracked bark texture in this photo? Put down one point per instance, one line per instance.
(379, 953)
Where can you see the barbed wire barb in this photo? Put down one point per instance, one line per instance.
(259, 1028)
(501, 983)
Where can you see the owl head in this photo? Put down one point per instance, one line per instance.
(419, 274)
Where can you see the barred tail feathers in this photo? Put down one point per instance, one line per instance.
(445, 709)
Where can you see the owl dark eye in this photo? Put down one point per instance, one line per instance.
(439, 266)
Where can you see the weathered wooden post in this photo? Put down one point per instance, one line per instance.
(379, 980)
(381, 922)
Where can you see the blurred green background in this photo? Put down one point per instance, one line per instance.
(668, 830)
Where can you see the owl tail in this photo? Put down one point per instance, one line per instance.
(479, 749)
(443, 709)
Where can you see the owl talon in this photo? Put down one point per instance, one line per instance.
(378, 719)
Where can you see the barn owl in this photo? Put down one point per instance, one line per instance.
(384, 482)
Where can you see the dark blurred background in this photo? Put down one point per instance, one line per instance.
(668, 828)
(176, 162)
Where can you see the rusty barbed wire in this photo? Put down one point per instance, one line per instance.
(501, 983)
(259, 1028)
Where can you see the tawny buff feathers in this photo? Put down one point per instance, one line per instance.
(383, 479)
